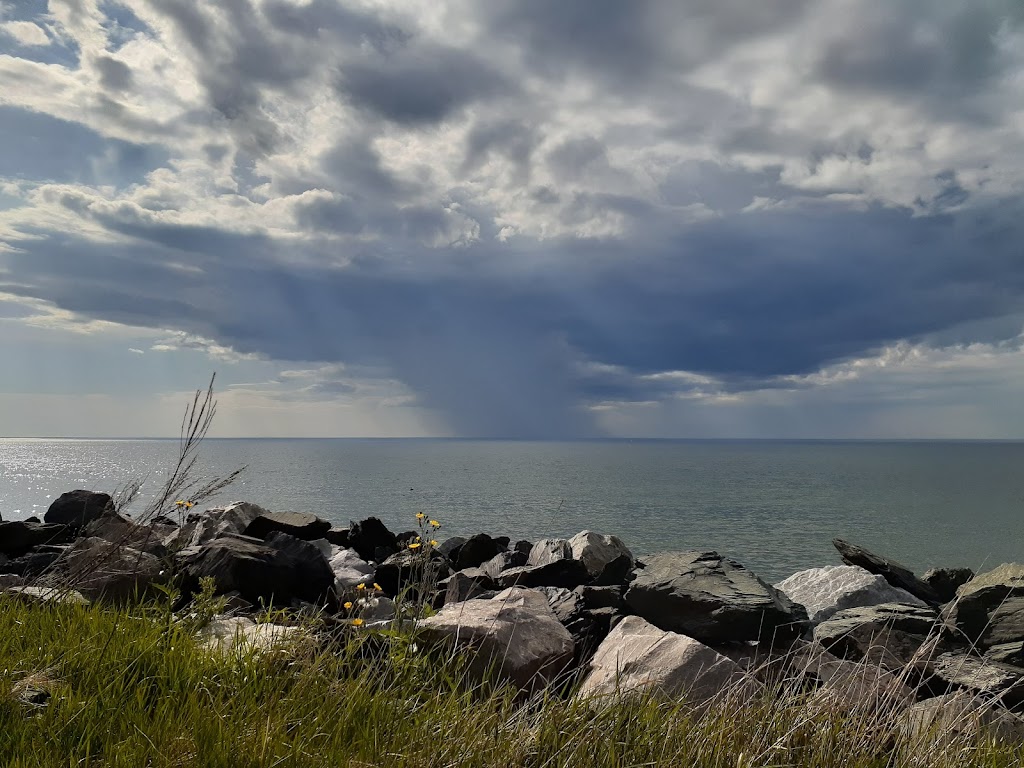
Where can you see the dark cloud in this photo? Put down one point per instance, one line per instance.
(742, 301)
(417, 84)
(114, 75)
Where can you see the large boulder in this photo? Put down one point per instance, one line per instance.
(857, 687)
(824, 591)
(231, 635)
(597, 551)
(588, 626)
(567, 573)
(414, 571)
(257, 570)
(76, 508)
(896, 574)
(104, 570)
(636, 656)
(502, 562)
(298, 524)
(466, 585)
(18, 536)
(962, 671)
(350, 569)
(475, 551)
(960, 716)
(548, 551)
(372, 540)
(889, 635)
(989, 609)
(712, 599)
(308, 564)
(118, 529)
(203, 527)
(514, 634)
(946, 581)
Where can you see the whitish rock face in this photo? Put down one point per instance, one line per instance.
(515, 633)
(824, 591)
(597, 550)
(638, 657)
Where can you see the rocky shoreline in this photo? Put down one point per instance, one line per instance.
(579, 615)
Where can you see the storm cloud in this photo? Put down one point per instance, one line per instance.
(528, 213)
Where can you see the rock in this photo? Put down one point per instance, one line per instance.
(308, 564)
(48, 595)
(502, 562)
(617, 572)
(712, 599)
(596, 551)
(259, 571)
(588, 628)
(164, 520)
(824, 591)
(371, 539)
(858, 687)
(989, 608)
(548, 551)
(515, 634)
(204, 527)
(76, 508)
(338, 537)
(1007, 653)
(638, 657)
(349, 570)
(18, 537)
(898, 575)
(118, 529)
(466, 585)
(102, 570)
(374, 609)
(411, 570)
(602, 597)
(557, 573)
(231, 635)
(945, 581)
(889, 635)
(11, 580)
(523, 547)
(451, 546)
(955, 717)
(476, 551)
(32, 564)
(960, 670)
(298, 524)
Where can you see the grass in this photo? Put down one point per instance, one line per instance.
(101, 686)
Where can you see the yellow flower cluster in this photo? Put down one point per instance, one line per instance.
(183, 503)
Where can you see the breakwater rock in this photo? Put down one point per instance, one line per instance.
(581, 616)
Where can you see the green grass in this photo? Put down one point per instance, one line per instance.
(124, 690)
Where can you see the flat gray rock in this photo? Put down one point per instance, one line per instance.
(712, 599)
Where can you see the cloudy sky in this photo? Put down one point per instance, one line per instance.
(521, 218)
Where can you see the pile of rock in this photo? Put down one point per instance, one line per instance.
(545, 613)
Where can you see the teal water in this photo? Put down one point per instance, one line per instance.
(773, 505)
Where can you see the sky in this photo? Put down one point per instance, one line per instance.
(518, 218)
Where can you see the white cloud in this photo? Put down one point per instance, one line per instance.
(25, 32)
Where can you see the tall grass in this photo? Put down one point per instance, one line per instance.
(92, 685)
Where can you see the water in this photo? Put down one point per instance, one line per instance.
(774, 506)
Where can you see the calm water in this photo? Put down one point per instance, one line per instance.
(774, 506)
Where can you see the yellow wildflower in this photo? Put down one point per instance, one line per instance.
(357, 622)
(435, 523)
(420, 515)
(415, 545)
(179, 503)
(433, 542)
(360, 586)
(377, 587)
(189, 505)
(347, 605)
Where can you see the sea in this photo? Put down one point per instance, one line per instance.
(774, 506)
